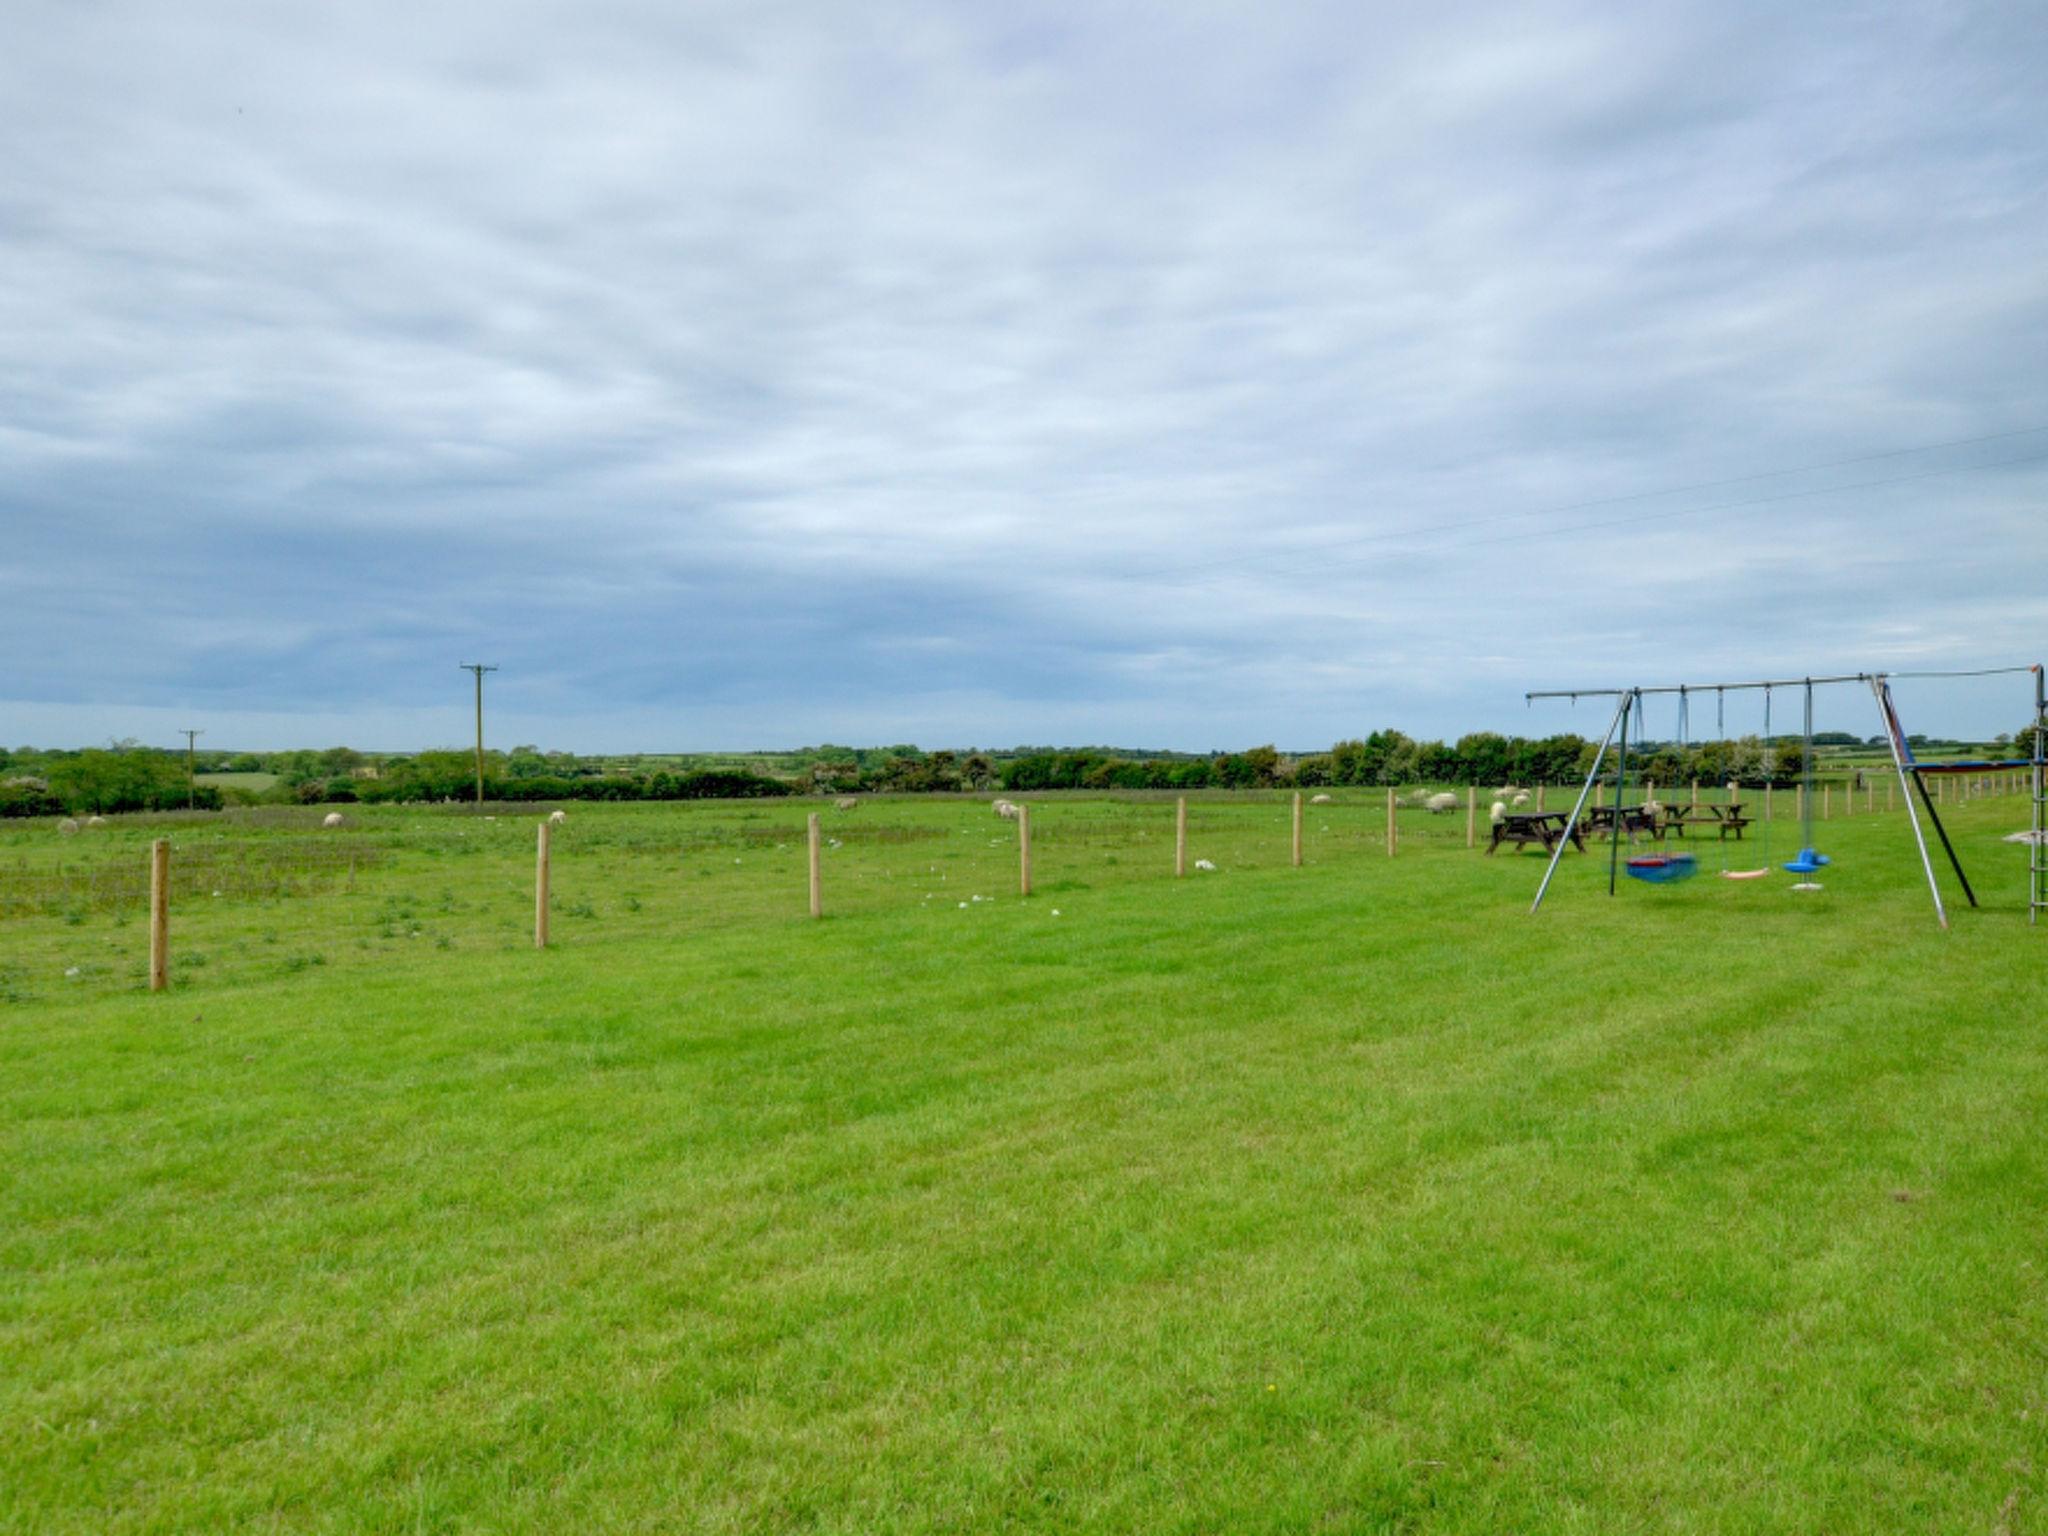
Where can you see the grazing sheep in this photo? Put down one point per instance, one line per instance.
(556, 818)
(1653, 807)
(1006, 810)
(1442, 803)
(67, 826)
(1318, 799)
(845, 803)
(331, 819)
(1521, 799)
(95, 821)
(1500, 809)
(1205, 864)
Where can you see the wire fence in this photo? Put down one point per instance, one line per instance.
(263, 893)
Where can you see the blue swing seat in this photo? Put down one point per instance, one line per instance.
(1663, 868)
(1807, 862)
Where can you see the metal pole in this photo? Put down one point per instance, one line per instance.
(1620, 787)
(1882, 693)
(1579, 805)
(1764, 682)
(2037, 858)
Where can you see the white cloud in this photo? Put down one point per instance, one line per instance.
(756, 374)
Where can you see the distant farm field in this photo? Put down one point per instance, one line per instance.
(1340, 1198)
(256, 783)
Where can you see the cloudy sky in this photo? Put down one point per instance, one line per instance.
(761, 374)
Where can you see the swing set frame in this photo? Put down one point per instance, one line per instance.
(1912, 774)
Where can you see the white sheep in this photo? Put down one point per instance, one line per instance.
(1499, 811)
(67, 826)
(331, 819)
(1205, 864)
(1006, 810)
(1521, 799)
(1442, 803)
(556, 818)
(845, 803)
(1318, 799)
(95, 821)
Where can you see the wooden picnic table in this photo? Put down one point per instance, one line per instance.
(1544, 828)
(1724, 818)
(1634, 818)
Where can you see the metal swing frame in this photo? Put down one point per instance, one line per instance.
(1911, 774)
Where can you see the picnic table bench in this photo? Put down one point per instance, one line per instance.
(1634, 819)
(1723, 818)
(1544, 828)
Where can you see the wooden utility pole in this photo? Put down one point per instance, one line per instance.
(1024, 850)
(191, 769)
(540, 889)
(479, 669)
(159, 914)
(817, 886)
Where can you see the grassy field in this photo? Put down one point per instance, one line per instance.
(1346, 1198)
(255, 783)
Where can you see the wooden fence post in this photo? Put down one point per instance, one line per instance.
(540, 887)
(1539, 796)
(1767, 800)
(1827, 801)
(159, 914)
(1695, 808)
(1023, 850)
(1180, 837)
(1297, 829)
(817, 886)
(1849, 798)
(1393, 834)
(1472, 814)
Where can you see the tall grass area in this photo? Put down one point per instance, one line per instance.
(1342, 1198)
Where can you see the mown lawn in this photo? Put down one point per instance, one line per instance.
(1346, 1198)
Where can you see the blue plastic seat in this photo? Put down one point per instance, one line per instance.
(1807, 862)
(1662, 868)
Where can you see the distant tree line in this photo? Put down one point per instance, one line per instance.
(127, 777)
(99, 781)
